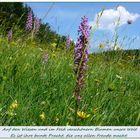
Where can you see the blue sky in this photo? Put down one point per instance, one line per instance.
(64, 18)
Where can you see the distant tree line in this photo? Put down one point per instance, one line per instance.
(15, 14)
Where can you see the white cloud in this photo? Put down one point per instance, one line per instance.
(110, 18)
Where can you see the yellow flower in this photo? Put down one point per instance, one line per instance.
(57, 120)
(67, 124)
(83, 115)
(42, 116)
(14, 105)
(11, 113)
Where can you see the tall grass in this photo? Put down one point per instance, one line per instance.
(111, 94)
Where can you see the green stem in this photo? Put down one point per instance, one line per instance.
(76, 109)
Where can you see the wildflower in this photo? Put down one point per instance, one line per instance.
(36, 24)
(42, 116)
(14, 105)
(67, 124)
(56, 119)
(119, 77)
(79, 98)
(83, 115)
(45, 58)
(68, 41)
(81, 55)
(29, 22)
(9, 36)
(43, 103)
(116, 47)
(11, 113)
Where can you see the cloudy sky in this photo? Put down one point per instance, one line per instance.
(65, 18)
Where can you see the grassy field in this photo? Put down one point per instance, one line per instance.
(36, 93)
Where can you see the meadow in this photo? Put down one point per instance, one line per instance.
(38, 78)
(37, 93)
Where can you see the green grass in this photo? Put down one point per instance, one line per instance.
(111, 93)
